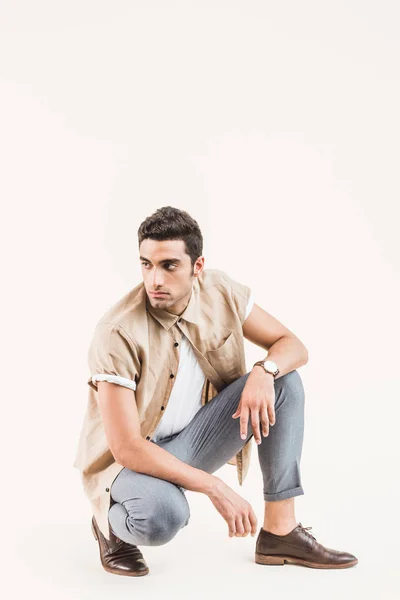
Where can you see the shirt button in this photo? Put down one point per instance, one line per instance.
(172, 375)
(162, 408)
(107, 489)
(176, 344)
(179, 320)
(147, 437)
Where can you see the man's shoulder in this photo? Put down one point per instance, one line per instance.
(217, 278)
(223, 299)
(216, 283)
(210, 278)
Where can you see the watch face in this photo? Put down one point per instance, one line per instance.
(270, 365)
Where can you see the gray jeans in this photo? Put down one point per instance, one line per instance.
(149, 511)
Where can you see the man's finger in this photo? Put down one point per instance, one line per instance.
(239, 526)
(271, 414)
(253, 521)
(244, 419)
(236, 414)
(255, 424)
(232, 527)
(264, 421)
(247, 525)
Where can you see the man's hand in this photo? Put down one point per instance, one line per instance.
(258, 401)
(236, 511)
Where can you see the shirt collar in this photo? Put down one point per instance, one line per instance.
(190, 314)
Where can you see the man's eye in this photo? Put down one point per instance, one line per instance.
(167, 266)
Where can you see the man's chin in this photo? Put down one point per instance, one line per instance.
(157, 301)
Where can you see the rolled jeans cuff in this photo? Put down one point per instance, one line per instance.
(297, 491)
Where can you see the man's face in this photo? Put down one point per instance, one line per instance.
(167, 268)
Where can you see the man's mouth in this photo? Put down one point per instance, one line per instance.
(158, 294)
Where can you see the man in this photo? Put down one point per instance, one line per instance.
(170, 402)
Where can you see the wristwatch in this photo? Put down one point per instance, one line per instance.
(269, 366)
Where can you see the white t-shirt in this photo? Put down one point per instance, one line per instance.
(185, 397)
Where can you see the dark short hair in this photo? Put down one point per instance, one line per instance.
(169, 223)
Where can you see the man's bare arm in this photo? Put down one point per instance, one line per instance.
(122, 428)
(284, 347)
(121, 420)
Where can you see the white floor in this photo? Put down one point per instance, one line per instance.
(53, 553)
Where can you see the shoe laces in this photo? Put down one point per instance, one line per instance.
(307, 531)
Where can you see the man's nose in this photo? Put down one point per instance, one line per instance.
(157, 278)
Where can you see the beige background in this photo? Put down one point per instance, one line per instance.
(276, 125)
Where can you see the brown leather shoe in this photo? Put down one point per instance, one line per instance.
(117, 556)
(300, 547)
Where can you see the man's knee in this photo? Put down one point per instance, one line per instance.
(292, 385)
(163, 525)
(165, 516)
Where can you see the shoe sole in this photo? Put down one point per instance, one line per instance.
(265, 559)
(116, 571)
